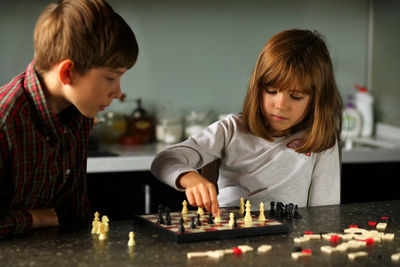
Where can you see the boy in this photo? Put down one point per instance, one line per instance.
(82, 48)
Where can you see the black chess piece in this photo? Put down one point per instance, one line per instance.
(271, 213)
(168, 215)
(289, 214)
(235, 225)
(210, 218)
(181, 226)
(198, 222)
(160, 219)
(192, 224)
(296, 214)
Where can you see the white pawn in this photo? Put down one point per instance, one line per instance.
(102, 231)
(95, 222)
(217, 219)
(261, 217)
(247, 217)
(185, 208)
(131, 241)
(231, 219)
(105, 221)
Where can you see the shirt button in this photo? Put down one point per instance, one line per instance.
(47, 138)
(68, 171)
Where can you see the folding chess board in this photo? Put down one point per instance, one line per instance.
(208, 231)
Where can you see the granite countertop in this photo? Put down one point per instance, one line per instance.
(49, 247)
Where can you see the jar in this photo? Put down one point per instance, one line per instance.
(169, 127)
(195, 122)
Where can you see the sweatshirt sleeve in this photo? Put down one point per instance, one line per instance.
(325, 181)
(192, 154)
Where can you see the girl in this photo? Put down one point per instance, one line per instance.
(284, 144)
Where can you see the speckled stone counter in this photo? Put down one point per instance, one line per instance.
(49, 247)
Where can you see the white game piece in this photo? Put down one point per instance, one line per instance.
(185, 208)
(328, 236)
(264, 248)
(396, 257)
(102, 231)
(247, 218)
(105, 221)
(217, 219)
(196, 254)
(342, 247)
(381, 226)
(301, 239)
(347, 237)
(200, 211)
(231, 219)
(296, 255)
(96, 216)
(99, 224)
(388, 236)
(131, 241)
(358, 254)
(228, 251)
(353, 230)
(328, 249)
(313, 236)
(215, 253)
(241, 210)
(95, 225)
(261, 217)
(356, 244)
(245, 248)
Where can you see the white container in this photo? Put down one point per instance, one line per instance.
(364, 104)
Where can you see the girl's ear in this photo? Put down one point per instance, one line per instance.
(65, 71)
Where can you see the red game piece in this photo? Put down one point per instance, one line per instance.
(372, 223)
(237, 251)
(334, 238)
(306, 251)
(369, 241)
(308, 232)
(353, 226)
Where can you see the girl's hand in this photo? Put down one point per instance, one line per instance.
(46, 217)
(199, 191)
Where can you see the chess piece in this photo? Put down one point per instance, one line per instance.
(235, 225)
(95, 222)
(105, 221)
(185, 208)
(296, 214)
(131, 241)
(160, 219)
(217, 219)
(198, 222)
(192, 224)
(210, 218)
(261, 217)
(247, 218)
(231, 219)
(200, 211)
(272, 210)
(181, 226)
(167, 215)
(241, 210)
(102, 231)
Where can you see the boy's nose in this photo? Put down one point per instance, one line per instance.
(116, 93)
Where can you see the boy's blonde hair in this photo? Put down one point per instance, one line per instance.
(297, 58)
(88, 32)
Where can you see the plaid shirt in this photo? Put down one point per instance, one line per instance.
(43, 157)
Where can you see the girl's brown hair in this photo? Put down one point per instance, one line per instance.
(88, 32)
(301, 58)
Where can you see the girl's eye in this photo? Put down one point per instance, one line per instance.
(270, 91)
(297, 97)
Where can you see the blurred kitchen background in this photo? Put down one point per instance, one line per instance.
(196, 56)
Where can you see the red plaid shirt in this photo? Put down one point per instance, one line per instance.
(43, 157)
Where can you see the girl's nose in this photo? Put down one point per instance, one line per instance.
(280, 101)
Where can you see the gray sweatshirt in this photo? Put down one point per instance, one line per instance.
(254, 168)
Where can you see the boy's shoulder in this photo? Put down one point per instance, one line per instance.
(12, 98)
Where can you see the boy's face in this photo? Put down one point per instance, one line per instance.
(284, 108)
(94, 91)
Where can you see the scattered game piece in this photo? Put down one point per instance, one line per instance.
(385, 219)
(261, 217)
(264, 248)
(247, 218)
(211, 253)
(185, 208)
(358, 254)
(301, 239)
(200, 211)
(237, 251)
(131, 241)
(388, 236)
(396, 257)
(334, 238)
(245, 248)
(372, 224)
(355, 244)
(105, 221)
(381, 226)
(302, 253)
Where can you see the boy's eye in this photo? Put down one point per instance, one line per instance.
(110, 79)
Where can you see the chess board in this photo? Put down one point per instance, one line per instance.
(208, 231)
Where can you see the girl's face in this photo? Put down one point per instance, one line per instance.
(283, 108)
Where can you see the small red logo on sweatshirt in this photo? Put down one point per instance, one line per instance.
(295, 143)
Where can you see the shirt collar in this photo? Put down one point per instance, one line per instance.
(51, 121)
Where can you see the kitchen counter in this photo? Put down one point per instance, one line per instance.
(139, 158)
(49, 247)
